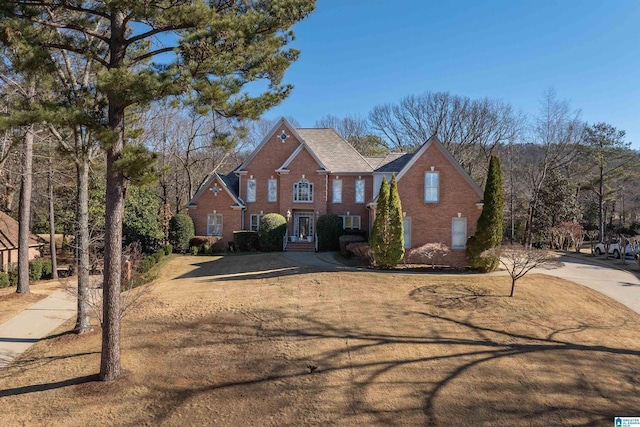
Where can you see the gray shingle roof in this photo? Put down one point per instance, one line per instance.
(393, 162)
(334, 151)
(233, 183)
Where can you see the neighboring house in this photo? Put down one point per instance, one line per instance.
(305, 173)
(9, 242)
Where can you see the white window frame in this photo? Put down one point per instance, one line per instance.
(298, 188)
(214, 224)
(360, 183)
(406, 231)
(251, 195)
(254, 222)
(429, 187)
(459, 234)
(272, 193)
(351, 219)
(336, 191)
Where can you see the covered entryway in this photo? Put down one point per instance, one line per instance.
(303, 226)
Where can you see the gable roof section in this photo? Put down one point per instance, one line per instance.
(9, 233)
(281, 122)
(435, 141)
(295, 153)
(230, 183)
(394, 162)
(333, 151)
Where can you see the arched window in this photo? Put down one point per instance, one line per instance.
(303, 191)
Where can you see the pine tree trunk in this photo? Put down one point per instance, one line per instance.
(24, 229)
(52, 223)
(601, 204)
(83, 323)
(110, 367)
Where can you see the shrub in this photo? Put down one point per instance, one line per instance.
(167, 249)
(180, 232)
(329, 229)
(361, 250)
(273, 228)
(146, 263)
(430, 252)
(4, 279)
(13, 276)
(246, 240)
(202, 242)
(194, 250)
(47, 268)
(347, 239)
(35, 269)
(158, 255)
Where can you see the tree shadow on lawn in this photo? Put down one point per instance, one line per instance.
(452, 370)
(249, 267)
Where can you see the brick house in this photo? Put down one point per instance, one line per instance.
(9, 243)
(305, 173)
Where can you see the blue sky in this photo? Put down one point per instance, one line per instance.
(356, 54)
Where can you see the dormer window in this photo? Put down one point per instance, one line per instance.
(303, 191)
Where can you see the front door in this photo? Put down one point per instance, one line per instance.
(303, 226)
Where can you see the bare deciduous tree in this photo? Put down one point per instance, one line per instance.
(520, 260)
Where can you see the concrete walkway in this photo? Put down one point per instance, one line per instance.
(33, 324)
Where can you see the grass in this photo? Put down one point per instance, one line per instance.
(232, 341)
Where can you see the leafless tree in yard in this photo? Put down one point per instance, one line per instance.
(470, 129)
(520, 260)
(555, 138)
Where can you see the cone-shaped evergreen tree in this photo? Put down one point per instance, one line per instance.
(396, 237)
(489, 229)
(378, 240)
(387, 236)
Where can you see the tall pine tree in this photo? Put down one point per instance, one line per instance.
(489, 229)
(210, 52)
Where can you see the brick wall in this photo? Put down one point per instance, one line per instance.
(431, 222)
(221, 203)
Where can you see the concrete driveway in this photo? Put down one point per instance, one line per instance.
(622, 286)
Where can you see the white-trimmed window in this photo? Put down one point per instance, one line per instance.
(459, 233)
(431, 187)
(254, 222)
(350, 222)
(303, 191)
(251, 190)
(336, 193)
(273, 190)
(214, 224)
(359, 190)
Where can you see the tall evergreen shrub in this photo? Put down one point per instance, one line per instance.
(180, 232)
(387, 235)
(489, 229)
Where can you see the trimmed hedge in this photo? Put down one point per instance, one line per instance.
(4, 279)
(246, 240)
(204, 244)
(329, 229)
(273, 228)
(180, 232)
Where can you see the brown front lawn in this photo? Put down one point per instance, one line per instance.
(255, 340)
